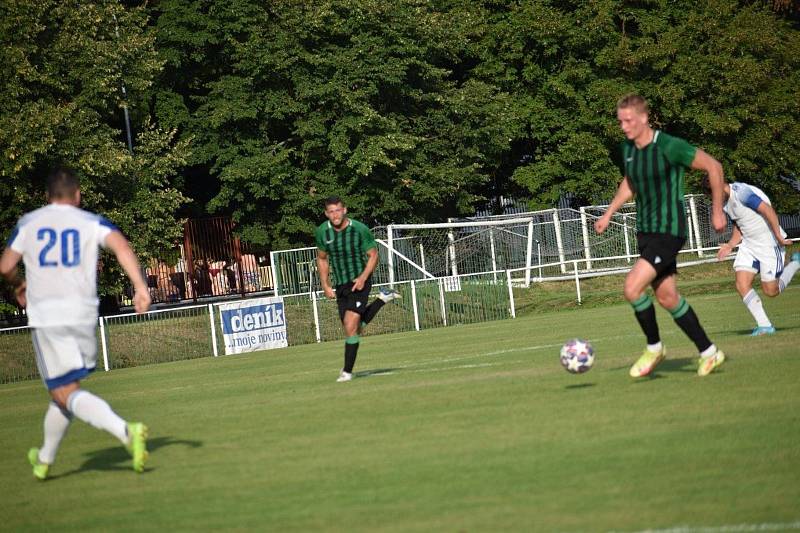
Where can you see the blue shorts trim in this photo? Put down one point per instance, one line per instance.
(69, 377)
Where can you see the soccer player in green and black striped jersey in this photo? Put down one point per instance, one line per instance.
(348, 247)
(653, 167)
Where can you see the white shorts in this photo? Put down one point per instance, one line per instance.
(64, 353)
(766, 260)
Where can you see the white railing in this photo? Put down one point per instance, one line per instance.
(192, 331)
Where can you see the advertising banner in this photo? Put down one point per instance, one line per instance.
(251, 325)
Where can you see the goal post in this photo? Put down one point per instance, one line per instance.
(448, 249)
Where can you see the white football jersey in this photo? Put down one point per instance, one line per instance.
(741, 207)
(59, 244)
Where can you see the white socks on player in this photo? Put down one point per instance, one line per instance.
(711, 350)
(788, 273)
(655, 348)
(56, 423)
(96, 412)
(756, 308)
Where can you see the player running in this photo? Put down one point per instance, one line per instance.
(653, 167)
(348, 246)
(59, 245)
(761, 242)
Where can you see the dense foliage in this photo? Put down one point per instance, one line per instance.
(412, 110)
(64, 64)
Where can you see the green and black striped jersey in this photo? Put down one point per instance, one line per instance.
(656, 175)
(346, 249)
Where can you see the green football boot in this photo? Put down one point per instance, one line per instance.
(708, 364)
(39, 469)
(647, 362)
(137, 444)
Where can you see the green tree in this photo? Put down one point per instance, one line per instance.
(63, 65)
(722, 75)
(419, 110)
(297, 101)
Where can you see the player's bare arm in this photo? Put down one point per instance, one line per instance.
(726, 248)
(323, 266)
(624, 193)
(369, 268)
(8, 269)
(716, 180)
(118, 244)
(769, 214)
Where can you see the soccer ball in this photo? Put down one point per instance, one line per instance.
(577, 356)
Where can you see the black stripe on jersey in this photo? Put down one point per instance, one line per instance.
(661, 180)
(682, 215)
(345, 254)
(338, 265)
(358, 257)
(353, 255)
(645, 193)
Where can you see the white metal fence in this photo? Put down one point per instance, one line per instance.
(568, 250)
(522, 242)
(194, 331)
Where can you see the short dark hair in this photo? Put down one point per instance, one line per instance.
(333, 200)
(62, 183)
(635, 101)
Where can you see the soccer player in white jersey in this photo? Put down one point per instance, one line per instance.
(59, 246)
(761, 242)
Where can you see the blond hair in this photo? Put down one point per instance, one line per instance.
(638, 103)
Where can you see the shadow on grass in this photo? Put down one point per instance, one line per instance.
(374, 372)
(683, 364)
(117, 458)
(580, 386)
(749, 332)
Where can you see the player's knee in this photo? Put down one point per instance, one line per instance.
(60, 398)
(743, 288)
(770, 289)
(61, 395)
(632, 293)
(668, 301)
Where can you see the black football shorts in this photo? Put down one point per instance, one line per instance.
(349, 300)
(661, 251)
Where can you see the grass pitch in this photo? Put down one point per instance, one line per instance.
(472, 428)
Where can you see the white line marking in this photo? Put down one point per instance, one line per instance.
(778, 526)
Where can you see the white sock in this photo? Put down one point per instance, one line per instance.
(756, 308)
(711, 350)
(56, 423)
(788, 273)
(96, 412)
(655, 348)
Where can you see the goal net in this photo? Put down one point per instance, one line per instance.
(453, 248)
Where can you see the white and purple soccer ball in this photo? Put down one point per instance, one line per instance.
(577, 356)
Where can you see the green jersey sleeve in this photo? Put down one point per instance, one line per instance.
(676, 150)
(367, 239)
(621, 155)
(365, 235)
(319, 237)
